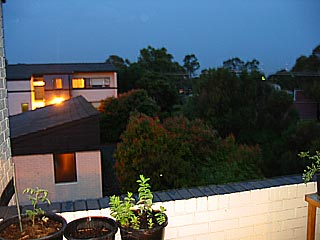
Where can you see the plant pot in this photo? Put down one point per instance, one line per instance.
(94, 228)
(57, 235)
(318, 183)
(156, 233)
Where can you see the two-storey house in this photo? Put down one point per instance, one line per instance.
(31, 86)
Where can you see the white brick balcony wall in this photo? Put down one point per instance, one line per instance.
(275, 213)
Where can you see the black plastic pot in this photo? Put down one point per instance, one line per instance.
(55, 236)
(156, 233)
(92, 222)
(318, 183)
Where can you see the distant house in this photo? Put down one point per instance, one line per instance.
(57, 148)
(31, 86)
(307, 108)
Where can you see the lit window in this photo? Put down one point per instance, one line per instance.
(78, 83)
(57, 83)
(65, 167)
(24, 107)
(39, 92)
(39, 83)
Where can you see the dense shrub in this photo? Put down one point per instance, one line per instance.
(181, 153)
(116, 112)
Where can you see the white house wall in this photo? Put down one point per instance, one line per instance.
(94, 96)
(21, 91)
(18, 92)
(98, 75)
(38, 171)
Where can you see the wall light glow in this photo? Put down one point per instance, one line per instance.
(38, 105)
(57, 100)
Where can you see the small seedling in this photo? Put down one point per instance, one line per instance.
(314, 168)
(123, 212)
(35, 195)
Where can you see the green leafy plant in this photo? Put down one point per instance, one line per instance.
(140, 214)
(314, 168)
(35, 195)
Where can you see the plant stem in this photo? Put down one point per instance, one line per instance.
(16, 196)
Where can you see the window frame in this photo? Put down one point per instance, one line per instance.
(76, 83)
(57, 83)
(105, 82)
(38, 93)
(59, 178)
(23, 107)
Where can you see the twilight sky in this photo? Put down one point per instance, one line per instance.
(275, 32)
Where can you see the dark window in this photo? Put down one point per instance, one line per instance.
(39, 93)
(65, 167)
(99, 82)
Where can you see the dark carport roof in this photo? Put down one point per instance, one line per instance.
(25, 71)
(50, 116)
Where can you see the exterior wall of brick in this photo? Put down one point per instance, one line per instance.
(6, 171)
(268, 213)
(38, 171)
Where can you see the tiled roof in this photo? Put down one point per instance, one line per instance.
(25, 71)
(50, 116)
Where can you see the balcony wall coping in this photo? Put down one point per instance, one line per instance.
(161, 196)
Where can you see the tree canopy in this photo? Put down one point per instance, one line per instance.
(115, 112)
(232, 126)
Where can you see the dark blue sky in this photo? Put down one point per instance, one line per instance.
(275, 32)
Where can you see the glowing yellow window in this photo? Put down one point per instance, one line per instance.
(57, 83)
(65, 167)
(24, 107)
(77, 83)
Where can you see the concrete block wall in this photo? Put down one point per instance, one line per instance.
(6, 170)
(278, 212)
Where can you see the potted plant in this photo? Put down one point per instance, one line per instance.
(35, 223)
(97, 228)
(138, 220)
(313, 169)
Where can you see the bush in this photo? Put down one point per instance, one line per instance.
(116, 113)
(181, 153)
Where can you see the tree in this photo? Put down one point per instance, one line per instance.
(307, 69)
(118, 62)
(124, 83)
(116, 113)
(253, 65)
(156, 72)
(158, 60)
(216, 99)
(191, 64)
(174, 154)
(234, 65)
(181, 153)
(161, 89)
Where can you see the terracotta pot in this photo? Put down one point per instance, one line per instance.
(90, 223)
(55, 236)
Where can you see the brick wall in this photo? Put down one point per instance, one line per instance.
(278, 212)
(5, 151)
